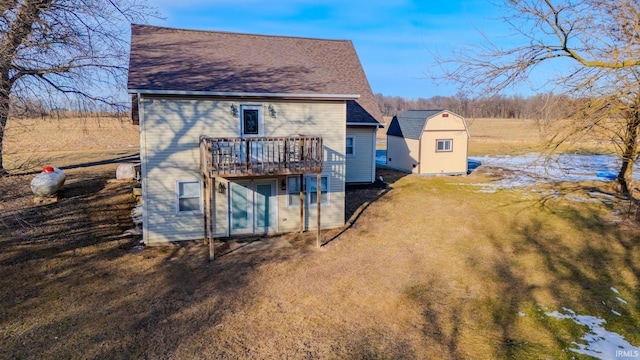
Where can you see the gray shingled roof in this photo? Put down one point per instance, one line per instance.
(177, 60)
(410, 124)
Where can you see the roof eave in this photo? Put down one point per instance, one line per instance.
(377, 124)
(246, 94)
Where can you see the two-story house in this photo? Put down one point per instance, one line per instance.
(246, 134)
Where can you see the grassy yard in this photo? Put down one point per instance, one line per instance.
(433, 269)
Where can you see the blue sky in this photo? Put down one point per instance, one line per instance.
(394, 39)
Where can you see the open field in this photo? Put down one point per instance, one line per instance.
(31, 144)
(491, 136)
(497, 136)
(432, 268)
(503, 136)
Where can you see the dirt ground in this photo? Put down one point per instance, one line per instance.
(427, 268)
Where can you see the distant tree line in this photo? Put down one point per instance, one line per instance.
(541, 106)
(32, 108)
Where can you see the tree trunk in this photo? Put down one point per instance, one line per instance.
(625, 176)
(4, 115)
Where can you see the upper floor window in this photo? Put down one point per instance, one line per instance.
(351, 146)
(444, 145)
(251, 120)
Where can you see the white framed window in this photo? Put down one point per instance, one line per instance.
(293, 190)
(188, 197)
(350, 149)
(444, 145)
(309, 187)
(251, 120)
(312, 194)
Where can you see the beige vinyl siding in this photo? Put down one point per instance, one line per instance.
(221, 207)
(361, 167)
(170, 154)
(403, 154)
(440, 128)
(448, 162)
(325, 119)
(439, 123)
(170, 130)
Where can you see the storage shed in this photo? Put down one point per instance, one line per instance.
(428, 142)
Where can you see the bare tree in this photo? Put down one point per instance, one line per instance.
(595, 47)
(61, 49)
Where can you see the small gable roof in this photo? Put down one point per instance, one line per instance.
(177, 61)
(410, 123)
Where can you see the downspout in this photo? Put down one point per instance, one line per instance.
(211, 185)
(375, 147)
(143, 169)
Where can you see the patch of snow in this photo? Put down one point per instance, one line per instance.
(596, 194)
(136, 214)
(616, 313)
(615, 290)
(133, 232)
(621, 300)
(521, 314)
(137, 248)
(488, 191)
(533, 168)
(600, 342)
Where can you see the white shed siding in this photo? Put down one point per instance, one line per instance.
(170, 130)
(361, 167)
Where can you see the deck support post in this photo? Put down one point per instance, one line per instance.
(205, 203)
(301, 203)
(212, 216)
(319, 201)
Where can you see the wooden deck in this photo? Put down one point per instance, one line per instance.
(260, 156)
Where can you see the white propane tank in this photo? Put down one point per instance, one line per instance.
(48, 182)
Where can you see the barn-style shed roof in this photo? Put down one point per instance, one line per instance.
(410, 123)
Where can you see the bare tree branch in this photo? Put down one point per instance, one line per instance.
(598, 40)
(60, 48)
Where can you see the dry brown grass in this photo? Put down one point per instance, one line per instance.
(31, 144)
(433, 269)
(503, 136)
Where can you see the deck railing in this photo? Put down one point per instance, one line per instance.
(258, 156)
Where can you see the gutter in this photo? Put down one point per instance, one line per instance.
(365, 124)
